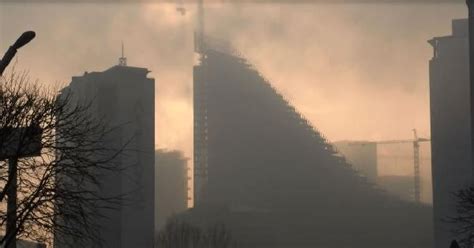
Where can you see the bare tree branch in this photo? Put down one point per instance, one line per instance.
(59, 190)
(464, 219)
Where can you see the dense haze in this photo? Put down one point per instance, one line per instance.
(356, 71)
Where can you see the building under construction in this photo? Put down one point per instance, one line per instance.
(264, 171)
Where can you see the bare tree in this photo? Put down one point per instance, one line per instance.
(180, 234)
(59, 188)
(464, 219)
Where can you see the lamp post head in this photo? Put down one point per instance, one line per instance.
(24, 39)
(21, 41)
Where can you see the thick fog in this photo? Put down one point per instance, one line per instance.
(356, 71)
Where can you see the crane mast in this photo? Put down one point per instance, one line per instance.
(199, 34)
(416, 166)
(180, 7)
(416, 160)
(199, 31)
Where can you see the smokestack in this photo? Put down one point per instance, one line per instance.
(470, 6)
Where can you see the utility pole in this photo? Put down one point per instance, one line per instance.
(470, 6)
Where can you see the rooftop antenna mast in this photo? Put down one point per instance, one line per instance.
(122, 60)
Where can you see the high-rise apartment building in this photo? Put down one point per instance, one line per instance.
(450, 126)
(124, 97)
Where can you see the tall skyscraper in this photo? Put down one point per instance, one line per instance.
(450, 126)
(124, 97)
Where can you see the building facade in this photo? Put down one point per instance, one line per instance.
(450, 126)
(171, 185)
(124, 97)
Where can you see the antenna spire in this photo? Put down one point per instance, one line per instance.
(123, 59)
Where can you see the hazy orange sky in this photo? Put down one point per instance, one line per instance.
(356, 71)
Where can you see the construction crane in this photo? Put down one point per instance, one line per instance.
(199, 31)
(199, 34)
(180, 7)
(198, 45)
(416, 160)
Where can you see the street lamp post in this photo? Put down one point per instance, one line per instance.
(11, 231)
(22, 143)
(11, 228)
